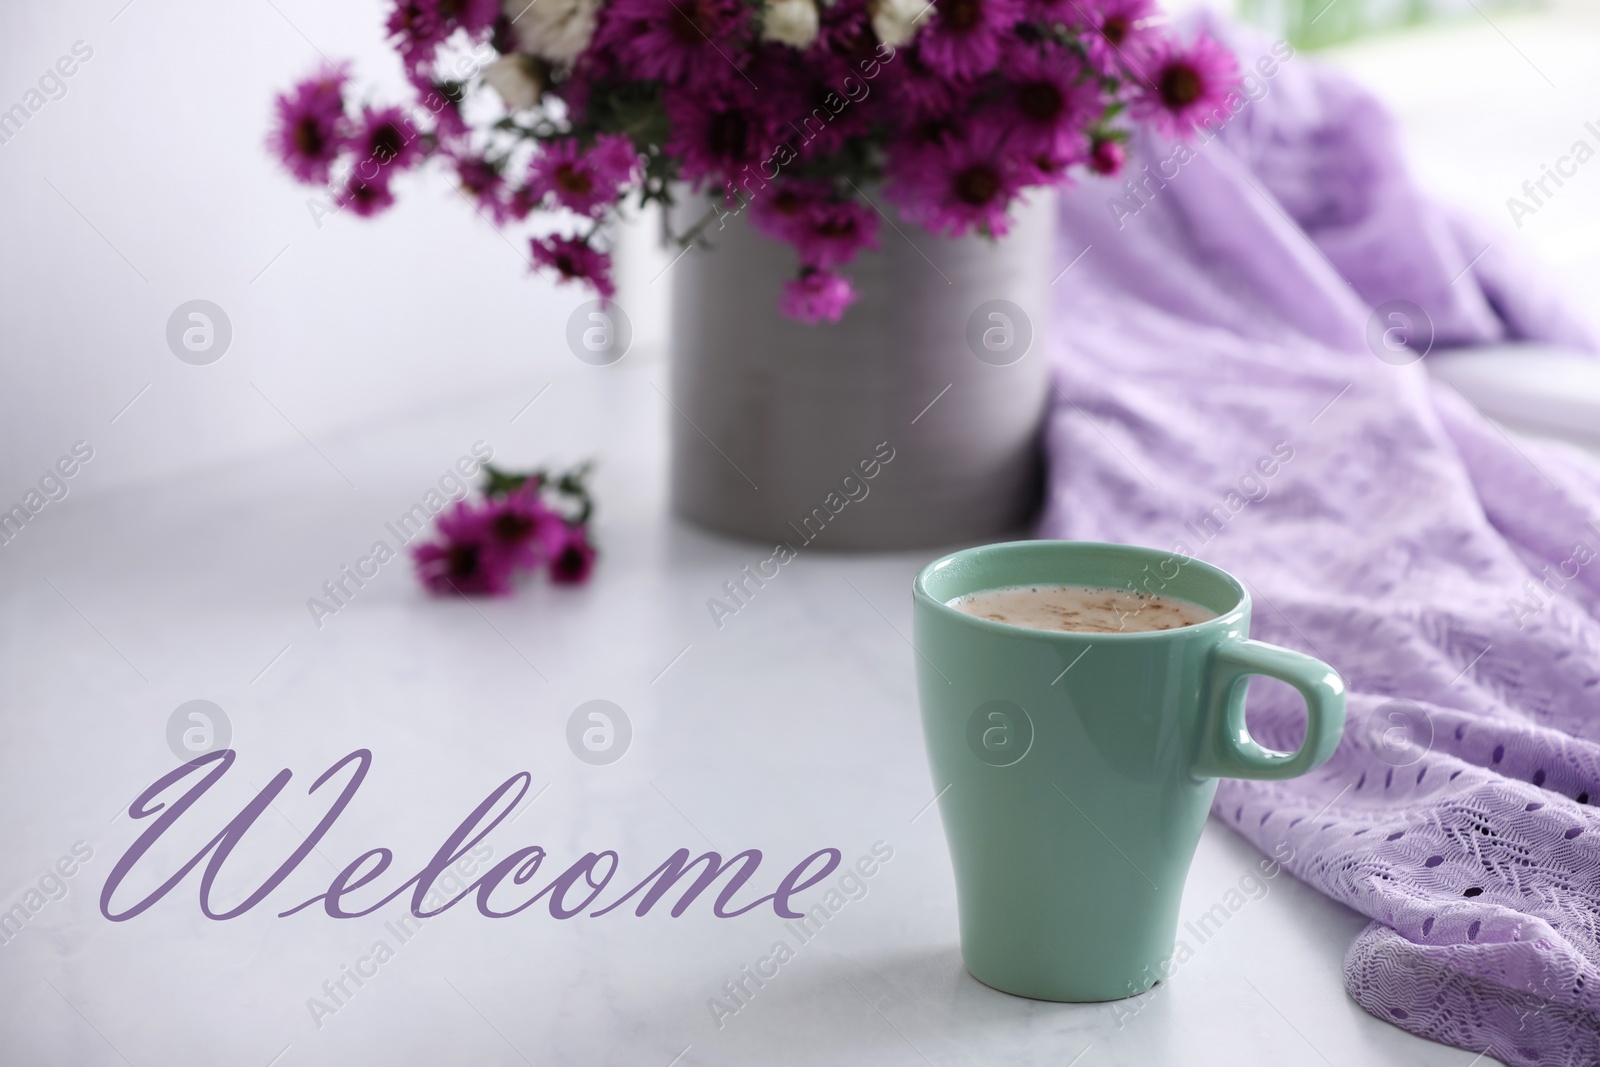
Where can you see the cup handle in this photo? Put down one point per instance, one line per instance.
(1226, 748)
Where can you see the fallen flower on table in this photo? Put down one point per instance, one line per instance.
(523, 524)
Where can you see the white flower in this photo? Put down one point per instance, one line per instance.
(557, 30)
(897, 21)
(790, 22)
(516, 78)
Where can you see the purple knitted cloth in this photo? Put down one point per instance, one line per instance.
(1215, 331)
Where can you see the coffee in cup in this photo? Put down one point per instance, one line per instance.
(1082, 608)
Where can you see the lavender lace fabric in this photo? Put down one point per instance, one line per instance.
(1221, 326)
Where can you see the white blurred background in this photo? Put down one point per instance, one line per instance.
(148, 184)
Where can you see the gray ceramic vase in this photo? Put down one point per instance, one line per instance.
(941, 364)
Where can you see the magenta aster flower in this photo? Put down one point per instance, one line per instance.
(921, 94)
(522, 202)
(1049, 104)
(826, 231)
(778, 211)
(484, 185)
(573, 559)
(575, 261)
(1185, 84)
(964, 38)
(833, 231)
(311, 126)
(1055, 12)
(1107, 157)
(466, 559)
(845, 29)
(614, 158)
(816, 296)
(443, 102)
(1117, 33)
(584, 181)
(387, 139)
(803, 96)
(366, 197)
(1045, 166)
(677, 42)
(523, 528)
(420, 26)
(962, 183)
(718, 132)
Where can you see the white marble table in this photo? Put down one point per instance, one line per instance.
(793, 728)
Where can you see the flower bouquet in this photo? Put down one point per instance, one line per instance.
(798, 110)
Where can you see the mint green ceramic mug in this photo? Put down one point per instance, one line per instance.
(1080, 766)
